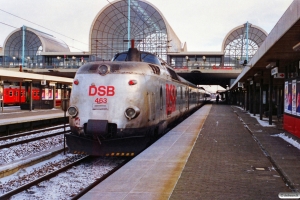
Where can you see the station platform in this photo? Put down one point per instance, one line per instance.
(13, 114)
(219, 152)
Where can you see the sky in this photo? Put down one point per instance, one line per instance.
(202, 24)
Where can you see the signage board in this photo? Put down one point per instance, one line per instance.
(274, 71)
(43, 82)
(279, 75)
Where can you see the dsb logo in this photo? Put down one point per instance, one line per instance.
(101, 90)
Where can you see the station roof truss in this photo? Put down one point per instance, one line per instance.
(118, 22)
(36, 43)
(235, 44)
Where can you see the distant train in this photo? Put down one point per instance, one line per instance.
(118, 106)
(11, 94)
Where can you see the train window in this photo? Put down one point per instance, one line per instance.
(173, 74)
(10, 93)
(149, 58)
(34, 93)
(38, 93)
(120, 57)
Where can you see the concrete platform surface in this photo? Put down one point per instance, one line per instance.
(154, 173)
(14, 114)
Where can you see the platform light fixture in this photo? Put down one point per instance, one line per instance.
(296, 47)
(270, 65)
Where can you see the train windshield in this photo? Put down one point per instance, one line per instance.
(120, 57)
(145, 57)
(149, 58)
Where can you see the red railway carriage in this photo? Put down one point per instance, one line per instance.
(11, 94)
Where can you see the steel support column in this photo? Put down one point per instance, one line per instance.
(261, 98)
(270, 99)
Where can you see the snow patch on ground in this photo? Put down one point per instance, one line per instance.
(288, 139)
(264, 122)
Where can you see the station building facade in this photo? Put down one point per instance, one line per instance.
(111, 31)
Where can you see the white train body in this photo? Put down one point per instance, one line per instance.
(117, 106)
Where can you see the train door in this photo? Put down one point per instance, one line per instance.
(16, 96)
(10, 96)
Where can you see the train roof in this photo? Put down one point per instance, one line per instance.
(134, 61)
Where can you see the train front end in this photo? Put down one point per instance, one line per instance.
(106, 108)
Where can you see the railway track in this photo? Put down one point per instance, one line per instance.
(23, 179)
(31, 139)
(32, 132)
(40, 179)
(28, 190)
(15, 149)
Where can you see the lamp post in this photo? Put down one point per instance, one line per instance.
(73, 58)
(14, 58)
(204, 59)
(28, 59)
(187, 60)
(58, 58)
(238, 61)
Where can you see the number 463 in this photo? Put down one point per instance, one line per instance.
(101, 100)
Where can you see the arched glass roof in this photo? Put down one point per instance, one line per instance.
(116, 24)
(35, 43)
(238, 48)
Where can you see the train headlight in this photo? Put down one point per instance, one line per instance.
(103, 69)
(73, 111)
(132, 112)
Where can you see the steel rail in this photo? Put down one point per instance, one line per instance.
(41, 179)
(30, 132)
(31, 139)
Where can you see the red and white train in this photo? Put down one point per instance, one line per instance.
(118, 106)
